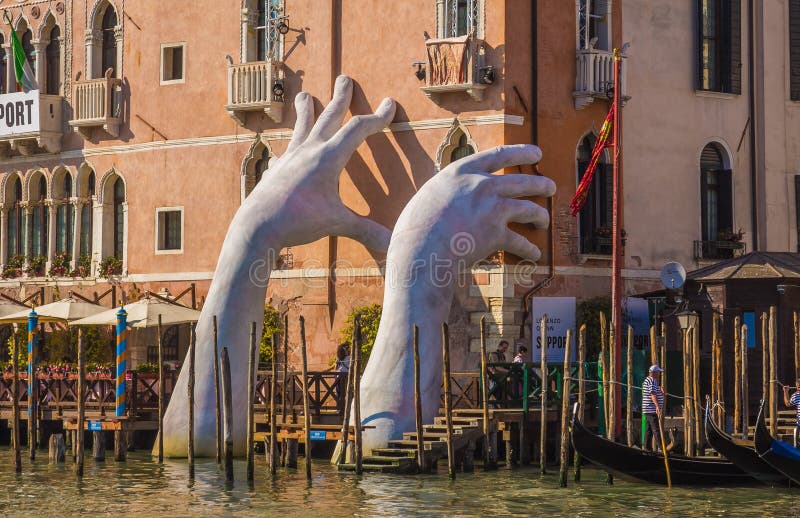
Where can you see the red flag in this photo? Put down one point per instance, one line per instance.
(579, 199)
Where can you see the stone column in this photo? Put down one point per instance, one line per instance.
(125, 238)
(52, 211)
(10, 78)
(39, 46)
(120, 51)
(3, 235)
(90, 40)
(97, 233)
(77, 207)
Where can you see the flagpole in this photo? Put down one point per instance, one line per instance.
(616, 230)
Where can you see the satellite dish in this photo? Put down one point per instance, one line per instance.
(673, 275)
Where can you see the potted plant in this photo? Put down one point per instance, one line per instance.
(14, 267)
(59, 266)
(83, 266)
(36, 265)
(110, 267)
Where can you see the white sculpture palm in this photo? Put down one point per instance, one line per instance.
(458, 217)
(296, 202)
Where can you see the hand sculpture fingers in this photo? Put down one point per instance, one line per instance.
(499, 158)
(523, 211)
(371, 234)
(357, 129)
(519, 246)
(330, 120)
(304, 106)
(517, 185)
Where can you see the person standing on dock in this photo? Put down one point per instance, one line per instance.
(652, 404)
(793, 401)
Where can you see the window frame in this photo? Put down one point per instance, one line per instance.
(727, 38)
(173, 45)
(158, 234)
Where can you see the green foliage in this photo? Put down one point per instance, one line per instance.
(97, 344)
(147, 368)
(588, 312)
(109, 267)
(22, 343)
(60, 345)
(59, 267)
(83, 266)
(370, 317)
(36, 265)
(13, 267)
(272, 325)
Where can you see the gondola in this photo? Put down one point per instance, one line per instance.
(743, 454)
(649, 466)
(781, 456)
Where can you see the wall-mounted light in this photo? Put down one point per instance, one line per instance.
(277, 91)
(283, 27)
(420, 73)
(487, 75)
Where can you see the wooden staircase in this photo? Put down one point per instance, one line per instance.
(400, 456)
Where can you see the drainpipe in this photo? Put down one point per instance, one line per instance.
(551, 240)
(754, 220)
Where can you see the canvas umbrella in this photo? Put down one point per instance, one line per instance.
(64, 310)
(143, 313)
(8, 308)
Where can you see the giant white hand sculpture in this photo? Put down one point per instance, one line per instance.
(296, 202)
(457, 218)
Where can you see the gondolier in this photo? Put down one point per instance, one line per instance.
(793, 401)
(652, 404)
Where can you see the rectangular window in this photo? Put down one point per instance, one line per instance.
(173, 63)
(794, 50)
(749, 319)
(594, 24)
(169, 230)
(459, 18)
(720, 46)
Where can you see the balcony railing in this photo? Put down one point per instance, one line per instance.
(98, 104)
(454, 65)
(252, 87)
(595, 76)
(718, 250)
(26, 132)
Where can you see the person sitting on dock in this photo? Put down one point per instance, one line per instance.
(520, 356)
(652, 404)
(793, 401)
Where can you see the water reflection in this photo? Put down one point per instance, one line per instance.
(143, 486)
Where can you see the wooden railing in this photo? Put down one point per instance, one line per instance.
(60, 393)
(326, 392)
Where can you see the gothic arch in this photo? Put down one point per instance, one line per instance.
(30, 184)
(105, 188)
(259, 150)
(56, 187)
(451, 142)
(7, 185)
(98, 10)
(49, 21)
(82, 180)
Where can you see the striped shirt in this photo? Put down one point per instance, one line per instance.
(795, 400)
(651, 386)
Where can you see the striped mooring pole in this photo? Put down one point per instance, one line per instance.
(33, 354)
(122, 364)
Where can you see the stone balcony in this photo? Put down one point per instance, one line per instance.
(31, 123)
(594, 77)
(455, 65)
(255, 87)
(98, 104)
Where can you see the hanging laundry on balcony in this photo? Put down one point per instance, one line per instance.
(447, 60)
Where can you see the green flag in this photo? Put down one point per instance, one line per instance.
(26, 81)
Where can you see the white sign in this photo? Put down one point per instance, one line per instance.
(19, 113)
(560, 313)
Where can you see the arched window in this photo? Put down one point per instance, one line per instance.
(119, 217)
(53, 63)
(30, 51)
(109, 52)
(595, 217)
(86, 218)
(40, 219)
(261, 166)
(3, 65)
(16, 217)
(716, 201)
(64, 218)
(462, 149)
(255, 165)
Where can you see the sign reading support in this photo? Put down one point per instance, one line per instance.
(318, 435)
(19, 113)
(95, 426)
(560, 313)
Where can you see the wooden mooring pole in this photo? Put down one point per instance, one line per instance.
(488, 446)
(773, 372)
(448, 403)
(418, 401)
(612, 379)
(357, 443)
(273, 419)
(306, 409)
(796, 342)
(663, 343)
(687, 403)
(190, 386)
(697, 422)
(604, 369)
(629, 389)
(714, 364)
(543, 398)
(576, 461)
(227, 412)
(217, 405)
(285, 444)
(251, 389)
(162, 391)
(15, 406)
(737, 376)
(745, 384)
(348, 398)
(79, 433)
(764, 357)
(565, 390)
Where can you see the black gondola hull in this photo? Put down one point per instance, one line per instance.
(774, 452)
(649, 466)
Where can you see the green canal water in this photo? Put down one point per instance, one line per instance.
(143, 487)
